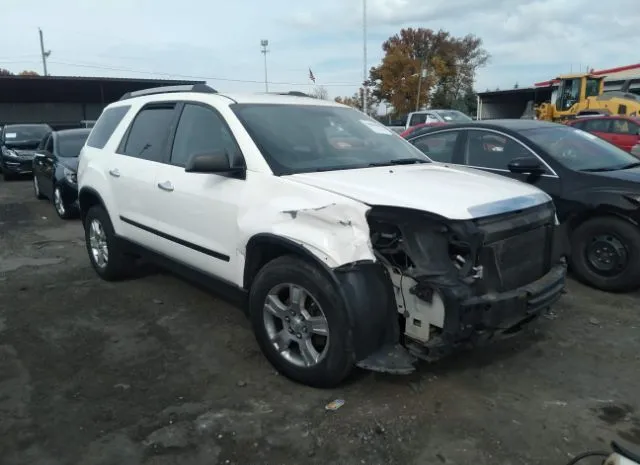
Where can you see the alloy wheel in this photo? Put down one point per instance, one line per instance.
(98, 243)
(296, 325)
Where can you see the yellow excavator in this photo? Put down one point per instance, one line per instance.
(583, 95)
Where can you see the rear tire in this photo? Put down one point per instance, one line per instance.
(36, 188)
(331, 358)
(606, 254)
(106, 253)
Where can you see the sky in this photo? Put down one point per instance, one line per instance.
(216, 41)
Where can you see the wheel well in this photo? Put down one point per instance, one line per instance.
(88, 198)
(263, 248)
(582, 217)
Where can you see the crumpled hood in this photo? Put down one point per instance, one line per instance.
(454, 193)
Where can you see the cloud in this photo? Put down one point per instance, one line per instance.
(219, 41)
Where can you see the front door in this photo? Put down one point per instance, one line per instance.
(197, 213)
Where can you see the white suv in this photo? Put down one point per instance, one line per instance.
(352, 247)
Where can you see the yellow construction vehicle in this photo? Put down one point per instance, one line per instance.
(583, 95)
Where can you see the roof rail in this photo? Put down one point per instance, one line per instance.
(201, 88)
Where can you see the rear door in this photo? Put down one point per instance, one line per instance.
(624, 133)
(132, 170)
(493, 151)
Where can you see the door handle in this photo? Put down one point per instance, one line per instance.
(166, 186)
(115, 173)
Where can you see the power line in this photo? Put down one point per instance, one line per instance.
(187, 76)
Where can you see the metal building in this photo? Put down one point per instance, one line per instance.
(512, 103)
(64, 101)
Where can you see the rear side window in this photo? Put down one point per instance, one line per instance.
(596, 125)
(149, 132)
(439, 146)
(106, 124)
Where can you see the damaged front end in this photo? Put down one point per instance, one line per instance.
(464, 282)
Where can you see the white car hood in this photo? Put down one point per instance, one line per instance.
(455, 193)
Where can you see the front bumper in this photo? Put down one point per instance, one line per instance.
(17, 165)
(481, 319)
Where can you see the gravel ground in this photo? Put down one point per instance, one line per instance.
(157, 371)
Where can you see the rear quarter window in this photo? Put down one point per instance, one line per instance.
(106, 124)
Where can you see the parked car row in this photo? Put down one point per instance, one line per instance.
(51, 157)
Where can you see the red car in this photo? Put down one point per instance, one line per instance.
(622, 131)
(406, 132)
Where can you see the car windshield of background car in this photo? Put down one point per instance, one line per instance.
(453, 116)
(307, 138)
(579, 150)
(69, 145)
(20, 135)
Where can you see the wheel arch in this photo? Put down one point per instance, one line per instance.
(580, 218)
(87, 198)
(364, 288)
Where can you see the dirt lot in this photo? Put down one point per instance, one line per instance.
(156, 371)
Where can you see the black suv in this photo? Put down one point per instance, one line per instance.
(18, 143)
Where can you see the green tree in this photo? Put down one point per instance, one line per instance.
(450, 64)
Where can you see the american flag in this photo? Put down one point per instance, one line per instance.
(311, 76)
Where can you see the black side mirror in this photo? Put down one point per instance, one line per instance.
(212, 162)
(526, 165)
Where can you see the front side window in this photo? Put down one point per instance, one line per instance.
(200, 130)
(439, 146)
(486, 149)
(307, 138)
(623, 126)
(149, 133)
(579, 150)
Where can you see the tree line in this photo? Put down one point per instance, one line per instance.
(423, 68)
(26, 72)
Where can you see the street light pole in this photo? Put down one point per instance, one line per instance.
(264, 44)
(364, 63)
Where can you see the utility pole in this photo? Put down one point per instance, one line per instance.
(264, 44)
(421, 75)
(44, 54)
(364, 63)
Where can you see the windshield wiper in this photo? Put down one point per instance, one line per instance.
(399, 161)
(612, 168)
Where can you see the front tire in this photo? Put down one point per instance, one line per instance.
(36, 188)
(300, 323)
(606, 254)
(105, 250)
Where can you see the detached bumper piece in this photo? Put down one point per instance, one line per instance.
(485, 318)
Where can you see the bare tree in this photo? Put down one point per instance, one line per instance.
(320, 93)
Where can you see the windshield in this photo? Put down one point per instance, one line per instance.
(579, 150)
(25, 134)
(306, 138)
(453, 116)
(69, 145)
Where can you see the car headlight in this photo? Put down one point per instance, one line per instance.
(9, 153)
(70, 176)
